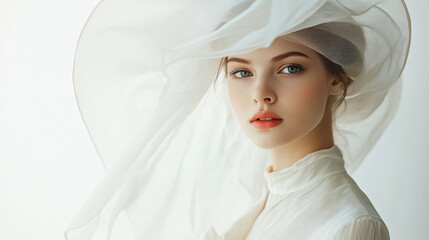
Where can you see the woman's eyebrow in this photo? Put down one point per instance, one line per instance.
(274, 59)
(288, 54)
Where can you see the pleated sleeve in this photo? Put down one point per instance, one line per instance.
(364, 228)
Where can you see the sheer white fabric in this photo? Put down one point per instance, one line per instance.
(313, 199)
(177, 162)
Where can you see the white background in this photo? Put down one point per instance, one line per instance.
(48, 165)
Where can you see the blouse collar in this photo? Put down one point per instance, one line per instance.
(307, 171)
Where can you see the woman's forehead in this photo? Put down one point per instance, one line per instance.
(278, 46)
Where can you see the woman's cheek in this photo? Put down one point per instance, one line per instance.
(309, 100)
(237, 98)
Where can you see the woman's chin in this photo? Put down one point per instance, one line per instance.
(268, 144)
(272, 138)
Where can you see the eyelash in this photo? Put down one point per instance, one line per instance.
(290, 65)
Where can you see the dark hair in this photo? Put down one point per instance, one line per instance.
(335, 69)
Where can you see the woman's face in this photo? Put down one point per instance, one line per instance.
(287, 79)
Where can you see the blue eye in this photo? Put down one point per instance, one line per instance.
(240, 73)
(293, 68)
(290, 69)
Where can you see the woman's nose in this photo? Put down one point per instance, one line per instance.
(263, 93)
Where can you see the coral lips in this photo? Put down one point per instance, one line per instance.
(265, 120)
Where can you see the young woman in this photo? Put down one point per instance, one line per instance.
(284, 98)
(236, 119)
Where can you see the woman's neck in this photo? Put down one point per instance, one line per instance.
(320, 137)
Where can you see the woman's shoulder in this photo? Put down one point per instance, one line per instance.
(366, 227)
(355, 198)
(356, 217)
(336, 198)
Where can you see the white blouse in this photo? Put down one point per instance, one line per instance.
(313, 199)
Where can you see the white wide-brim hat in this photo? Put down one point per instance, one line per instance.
(177, 161)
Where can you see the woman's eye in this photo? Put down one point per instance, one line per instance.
(240, 74)
(292, 69)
